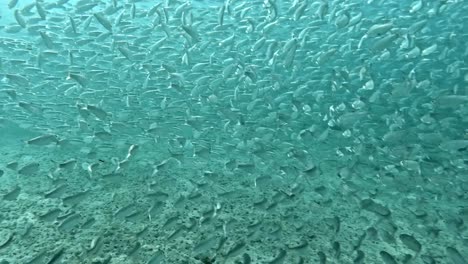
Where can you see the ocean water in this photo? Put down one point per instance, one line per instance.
(275, 131)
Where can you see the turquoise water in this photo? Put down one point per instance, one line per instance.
(233, 132)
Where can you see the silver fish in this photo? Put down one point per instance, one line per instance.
(29, 169)
(43, 140)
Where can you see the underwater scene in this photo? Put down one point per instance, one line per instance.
(233, 131)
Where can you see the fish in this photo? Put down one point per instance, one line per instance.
(451, 101)
(29, 169)
(20, 19)
(43, 140)
(384, 42)
(97, 112)
(132, 150)
(68, 165)
(191, 32)
(103, 21)
(454, 145)
(17, 79)
(41, 11)
(80, 79)
(379, 29)
(12, 4)
(429, 50)
(47, 40)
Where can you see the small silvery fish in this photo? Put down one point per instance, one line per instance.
(20, 19)
(44, 140)
(98, 112)
(29, 169)
(103, 21)
(12, 4)
(69, 164)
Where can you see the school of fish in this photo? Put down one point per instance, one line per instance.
(236, 131)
